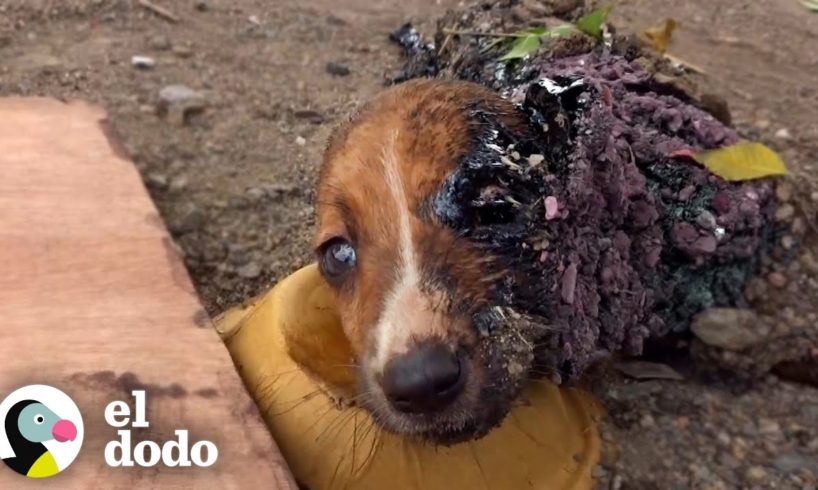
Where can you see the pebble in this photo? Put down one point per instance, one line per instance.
(793, 462)
(178, 183)
(191, 221)
(338, 69)
(535, 159)
(183, 51)
(787, 242)
(783, 134)
(706, 220)
(157, 180)
(785, 212)
(814, 196)
(729, 328)
(769, 427)
(202, 5)
(179, 101)
(784, 192)
(300, 141)
(777, 279)
(756, 474)
(250, 270)
(142, 62)
(256, 193)
(160, 42)
(551, 208)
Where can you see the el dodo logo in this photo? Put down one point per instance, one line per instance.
(41, 431)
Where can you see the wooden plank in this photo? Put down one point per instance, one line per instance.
(94, 301)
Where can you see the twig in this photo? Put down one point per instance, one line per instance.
(482, 34)
(160, 11)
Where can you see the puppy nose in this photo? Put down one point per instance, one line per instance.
(425, 380)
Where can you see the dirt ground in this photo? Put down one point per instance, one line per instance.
(234, 183)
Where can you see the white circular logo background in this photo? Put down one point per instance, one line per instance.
(58, 402)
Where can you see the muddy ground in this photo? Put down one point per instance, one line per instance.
(234, 183)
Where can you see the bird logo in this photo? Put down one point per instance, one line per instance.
(43, 430)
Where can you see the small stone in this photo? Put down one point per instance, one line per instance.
(300, 141)
(178, 183)
(723, 438)
(256, 193)
(250, 270)
(756, 474)
(783, 134)
(183, 51)
(785, 212)
(253, 19)
(799, 226)
(769, 427)
(814, 196)
(157, 180)
(142, 62)
(560, 7)
(706, 220)
(202, 5)
(338, 69)
(794, 462)
(552, 208)
(159, 42)
(777, 279)
(784, 192)
(179, 101)
(535, 159)
(191, 221)
(647, 421)
(729, 328)
(788, 242)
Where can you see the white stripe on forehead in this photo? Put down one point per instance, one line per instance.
(388, 330)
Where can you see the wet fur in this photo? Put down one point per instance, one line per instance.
(432, 127)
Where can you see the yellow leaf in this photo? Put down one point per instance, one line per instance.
(743, 161)
(661, 35)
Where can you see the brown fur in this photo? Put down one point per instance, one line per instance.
(432, 128)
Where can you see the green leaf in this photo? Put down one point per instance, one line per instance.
(522, 47)
(592, 23)
(743, 161)
(811, 5)
(562, 31)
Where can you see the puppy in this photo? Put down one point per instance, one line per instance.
(413, 289)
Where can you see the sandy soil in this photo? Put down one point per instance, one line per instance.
(235, 182)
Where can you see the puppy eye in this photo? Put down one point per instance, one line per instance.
(39, 419)
(337, 260)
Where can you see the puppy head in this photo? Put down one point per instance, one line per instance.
(418, 297)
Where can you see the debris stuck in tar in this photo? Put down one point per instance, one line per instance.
(624, 238)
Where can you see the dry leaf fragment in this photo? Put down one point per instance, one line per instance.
(743, 161)
(660, 36)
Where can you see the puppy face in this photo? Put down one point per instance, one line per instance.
(418, 297)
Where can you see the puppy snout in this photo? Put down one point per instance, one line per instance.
(425, 380)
